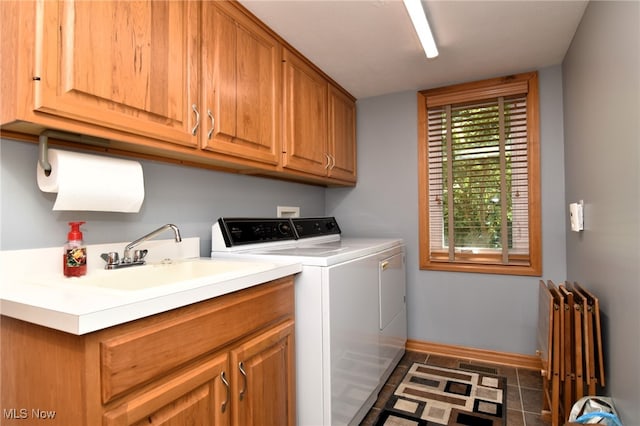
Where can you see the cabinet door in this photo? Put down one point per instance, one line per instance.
(263, 378)
(123, 65)
(241, 85)
(305, 117)
(342, 135)
(198, 396)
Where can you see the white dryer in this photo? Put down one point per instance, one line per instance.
(350, 309)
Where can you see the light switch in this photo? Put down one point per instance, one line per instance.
(576, 216)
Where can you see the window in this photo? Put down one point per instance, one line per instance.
(479, 177)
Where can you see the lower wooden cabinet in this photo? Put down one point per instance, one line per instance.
(261, 377)
(225, 361)
(198, 394)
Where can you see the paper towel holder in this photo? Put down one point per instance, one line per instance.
(43, 145)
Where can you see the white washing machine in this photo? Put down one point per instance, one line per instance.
(350, 318)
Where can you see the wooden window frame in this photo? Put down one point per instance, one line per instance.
(476, 91)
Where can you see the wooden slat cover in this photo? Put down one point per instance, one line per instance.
(558, 307)
(569, 353)
(545, 327)
(578, 316)
(594, 303)
(574, 354)
(589, 351)
(553, 384)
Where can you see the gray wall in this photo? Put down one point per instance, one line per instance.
(602, 138)
(492, 312)
(189, 197)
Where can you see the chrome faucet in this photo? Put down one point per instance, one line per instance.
(112, 258)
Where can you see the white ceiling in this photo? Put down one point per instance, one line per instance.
(370, 48)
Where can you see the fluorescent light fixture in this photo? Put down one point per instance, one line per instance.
(420, 23)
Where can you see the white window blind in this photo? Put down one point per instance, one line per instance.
(478, 198)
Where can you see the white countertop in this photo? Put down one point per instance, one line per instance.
(33, 288)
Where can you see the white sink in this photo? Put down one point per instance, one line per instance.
(208, 271)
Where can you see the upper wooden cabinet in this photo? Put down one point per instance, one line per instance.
(201, 82)
(319, 123)
(241, 85)
(305, 117)
(342, 135)
(121, 65)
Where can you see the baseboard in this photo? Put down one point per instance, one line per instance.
(529, 362)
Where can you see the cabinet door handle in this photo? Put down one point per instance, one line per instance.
(328, 161)
(333, 162)
(244, 375)
(213, 122)
(194, 107)
(223, 406)
(384, 265)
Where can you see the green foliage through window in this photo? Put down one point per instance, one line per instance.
(480, 150)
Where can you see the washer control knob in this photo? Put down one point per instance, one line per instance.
(284, 228)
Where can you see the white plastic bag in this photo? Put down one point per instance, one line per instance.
(594, 410)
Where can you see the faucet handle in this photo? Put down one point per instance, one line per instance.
(111, 258)
(138, 255)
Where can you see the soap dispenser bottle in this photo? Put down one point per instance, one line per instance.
(74, 259)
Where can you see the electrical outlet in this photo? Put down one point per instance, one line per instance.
(288, 211)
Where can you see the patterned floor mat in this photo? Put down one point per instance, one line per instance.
(430, 395)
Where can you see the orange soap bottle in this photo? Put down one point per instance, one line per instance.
(74, 258)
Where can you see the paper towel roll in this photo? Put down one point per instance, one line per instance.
(91, 182)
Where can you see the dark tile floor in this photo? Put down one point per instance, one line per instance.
(524, 388)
